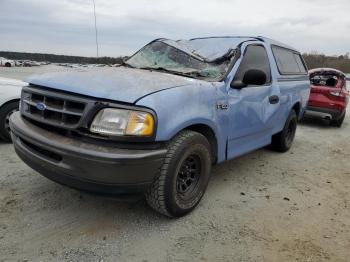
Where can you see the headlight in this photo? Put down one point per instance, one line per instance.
(112, 121)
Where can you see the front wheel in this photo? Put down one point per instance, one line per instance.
(183, 177)
(5, 112)
(283, 140)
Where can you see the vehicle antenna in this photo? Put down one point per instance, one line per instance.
(96, 37)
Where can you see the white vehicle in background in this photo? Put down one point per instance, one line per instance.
(6, 62)
(10, 93)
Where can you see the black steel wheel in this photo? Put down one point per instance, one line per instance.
(188, 176)
(184, 176)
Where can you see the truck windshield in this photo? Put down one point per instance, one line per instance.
(163, 57)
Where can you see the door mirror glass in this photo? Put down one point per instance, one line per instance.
(251, 77)
(254, 77)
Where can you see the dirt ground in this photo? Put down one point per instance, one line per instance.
(264, 206)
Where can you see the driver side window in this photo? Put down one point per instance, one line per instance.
(255, 57)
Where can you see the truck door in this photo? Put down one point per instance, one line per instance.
(253, 110)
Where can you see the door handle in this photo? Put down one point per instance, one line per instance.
(274, 99)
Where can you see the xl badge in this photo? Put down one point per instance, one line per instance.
(222, 106)
(40, 106)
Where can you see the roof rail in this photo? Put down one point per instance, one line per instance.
(227, 36)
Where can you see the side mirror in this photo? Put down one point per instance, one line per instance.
(251, 77)
(236, 84)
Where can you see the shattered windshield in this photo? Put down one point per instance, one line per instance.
(163, 57)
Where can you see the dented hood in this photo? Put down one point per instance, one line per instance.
(118, 84)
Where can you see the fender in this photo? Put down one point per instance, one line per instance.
(186, 106)
(10, 90)
(9, 100)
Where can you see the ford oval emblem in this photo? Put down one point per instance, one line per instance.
(40, 106)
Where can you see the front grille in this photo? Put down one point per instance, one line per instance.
(70, 114)
(52, 108)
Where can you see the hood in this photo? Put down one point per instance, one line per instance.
(119, 84)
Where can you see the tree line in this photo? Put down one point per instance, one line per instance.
(313, 59)
(60, 58)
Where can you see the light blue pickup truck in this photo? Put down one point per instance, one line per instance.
(157, 123)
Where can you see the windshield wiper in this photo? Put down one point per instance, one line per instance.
(156, 68)
(162, 69)
(196, 73)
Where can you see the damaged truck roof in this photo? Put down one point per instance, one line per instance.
(210, 49)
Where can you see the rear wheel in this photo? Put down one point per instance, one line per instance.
(339, 122)
(183, 177)
(5, 112)
(283, 140)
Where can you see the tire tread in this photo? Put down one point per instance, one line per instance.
(277, 142)
(155, 195)
(3, 112)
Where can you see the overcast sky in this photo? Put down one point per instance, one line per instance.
(67, 26)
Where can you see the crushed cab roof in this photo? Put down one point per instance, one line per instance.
(208, 49)
(211, 48)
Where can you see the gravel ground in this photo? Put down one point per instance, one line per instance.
(264, 206)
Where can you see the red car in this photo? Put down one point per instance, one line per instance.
(328, 97)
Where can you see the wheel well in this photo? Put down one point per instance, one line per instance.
(8, 64)
(210, 135)
(296, 108)
(9, 102)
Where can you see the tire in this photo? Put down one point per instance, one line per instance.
(5, 113)
(7, 64)
(183, 176)
(283, 140)
(338, 122)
